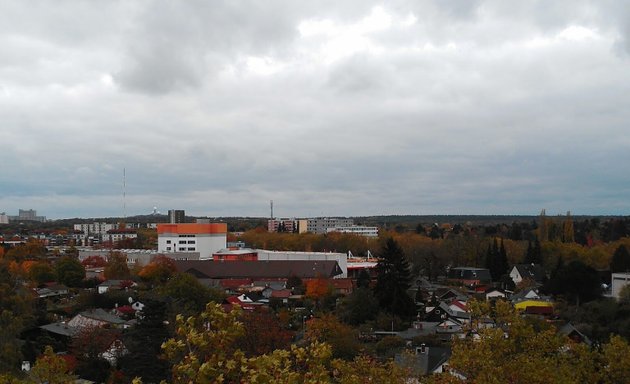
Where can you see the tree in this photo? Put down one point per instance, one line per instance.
(94, 262)
(364, 279)
(568, 234)
(393, 279)
(144, 343)
(51, 368)
(33, 249)
(117, 267)
(624, 294)
(620, 260)
(358, 307)
(188, 295)
(521, 351)
(295, 284)
(41, 272)
(159, 270)
(496, 260)
(87, 346)
(328, 329)
(576, 281)
(204, 350)
(70, 271)
(262, 333)
(16, 313)
(318, 289)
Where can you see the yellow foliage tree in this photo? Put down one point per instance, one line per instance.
(203, 351)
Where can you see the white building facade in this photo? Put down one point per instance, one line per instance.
(202, 238)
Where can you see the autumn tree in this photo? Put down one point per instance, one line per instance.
(328, 329)
(94, 262)
(159, 270)
(262, 333)
(393, 279)
(203, 351)
(41, 272)
(87, 346)
(521, 351)
(33, 249)
(117, 267)
(16, 313)
(319, 289)
(51, 368)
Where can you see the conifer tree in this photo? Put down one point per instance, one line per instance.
(393, 280)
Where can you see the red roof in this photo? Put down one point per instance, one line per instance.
(341, 283)
(234, 283)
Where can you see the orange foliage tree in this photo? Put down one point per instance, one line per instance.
(159, 270)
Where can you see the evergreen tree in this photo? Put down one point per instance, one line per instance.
(364, 279)
(144, 342)
(496, 260)
(393, 280)
(621, 260)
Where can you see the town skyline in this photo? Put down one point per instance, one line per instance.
(329, 109)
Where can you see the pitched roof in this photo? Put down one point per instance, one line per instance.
(259, 269)
(531, 271)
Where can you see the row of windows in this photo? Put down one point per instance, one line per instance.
(182, 249)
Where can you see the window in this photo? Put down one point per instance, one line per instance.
(191, 241)
(191, 248)
(182, 249)
(168, 241)
(168, 248)
(182, 242)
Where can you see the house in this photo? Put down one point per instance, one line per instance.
(342, 286)
(51, 290)
(424, 360)
(109, 285)
(469, 276)
(444, 311)
(533, 272)
(574, 334)
(526, 294)
(84, 320)
(494, 294)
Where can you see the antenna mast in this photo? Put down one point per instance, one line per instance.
(271, 204)
(124, 194)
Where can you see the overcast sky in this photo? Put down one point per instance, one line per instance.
(325, 107)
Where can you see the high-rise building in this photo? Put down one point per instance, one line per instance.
(176, 216)
(27, 215)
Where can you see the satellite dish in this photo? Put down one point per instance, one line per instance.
(130, 300)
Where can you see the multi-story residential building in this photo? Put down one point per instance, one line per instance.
(356, 230)
(202, 238)
(321, 225)
(4, 219)
(287, 225)
(119, 234)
